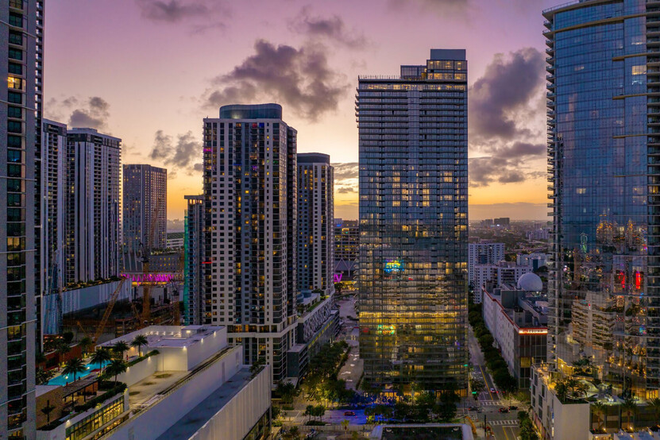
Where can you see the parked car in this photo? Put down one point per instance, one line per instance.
(492, 390)
(349, 413)
(504, 410)
(474, 408)
(513, 408)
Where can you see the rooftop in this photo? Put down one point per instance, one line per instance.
(189, 424)
(169, 336)
(422, 432)
(256, 111)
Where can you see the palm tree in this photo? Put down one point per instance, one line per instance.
(120, 348)
(74, 366)
(85, 344)
(139, 341)
(116, 367)
(43, 376)
(599, 409)
(62, 349)
(101, 356)
(655, 407)
(630, 408)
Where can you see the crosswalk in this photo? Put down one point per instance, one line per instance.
(503, 422)
(490, 403)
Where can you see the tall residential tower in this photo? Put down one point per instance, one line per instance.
(145, 205)
(413, 224)
(21, 45)
(315, 223)
(93, 216)
(250, 244)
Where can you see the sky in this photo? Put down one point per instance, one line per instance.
(149, 71)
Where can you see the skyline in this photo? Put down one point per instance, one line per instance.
(322, 48)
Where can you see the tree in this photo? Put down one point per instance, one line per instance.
(140, 341)
(319, 411)
(599, 409)
(47, 410)
(286, 391)
(276, 412)
(355, 435)
(101, 356)
(85, 344)
(120, 348)
(74, 366)
(62, 349)
(309, 412)
(629, 408)
(344, 424)
(257, 365)
(117, 367)
(43, 376)
(655, 407)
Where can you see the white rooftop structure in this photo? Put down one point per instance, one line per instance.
(530, 282)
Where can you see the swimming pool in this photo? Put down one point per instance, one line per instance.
(62, 379)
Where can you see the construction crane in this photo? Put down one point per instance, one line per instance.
(108, 311)
(146, 251)
(176, 299)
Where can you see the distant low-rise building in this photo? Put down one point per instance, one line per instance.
(483, 253)
(497, 274)
(347, 249)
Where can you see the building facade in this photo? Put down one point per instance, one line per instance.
(347, 248)
(193, 279)
(483, 253)
(603, 148)
(496, 274)
(413, 214)
(315, 223)
(145, 204)
(250, 218)
(53, 182)
(92, 206)
(21, 101)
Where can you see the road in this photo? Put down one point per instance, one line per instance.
(504, 425)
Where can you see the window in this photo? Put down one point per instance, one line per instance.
(14, 83)
(14, 112)
(14, 170)
(14, 141)
(15, 98)
(15, 19)
(14, 185)
(16, 38)
(14, 127)
(15, 54)
(16, 69)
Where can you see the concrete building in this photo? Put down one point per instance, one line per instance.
(194, 245)
(315, 223)
(92, 206)
(501, 273)
(250, 194)
(53, 213)
(192, 385)
(21, 46)
(347, 249)
(481, 254)
(535, 260)
(413, 230)
(517, 318)
(175, 240)
(145, 204)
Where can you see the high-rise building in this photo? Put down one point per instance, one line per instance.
(193, 280)
(92, 205)
(250, 218)
(603, 148)
(315, 223)
(53, 183)
(347, 249)
(483, 253)
(21, 101)
(413, 224)
(145, 205)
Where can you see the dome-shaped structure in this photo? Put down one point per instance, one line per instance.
(530, 282)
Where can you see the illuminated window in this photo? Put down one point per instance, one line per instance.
(14, 83)
(639, 70)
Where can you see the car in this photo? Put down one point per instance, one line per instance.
(492, 390)
(513, 408)
(474, 408)
(349, 413)
(504, 410)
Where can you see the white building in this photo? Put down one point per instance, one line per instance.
(92, 205)
(250, 261)
(501, 273)
(315, 223)
(144, 197)
(195, 387)
(481, 254)
(535, 260)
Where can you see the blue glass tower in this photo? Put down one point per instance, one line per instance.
(603, 90)
(413, 225)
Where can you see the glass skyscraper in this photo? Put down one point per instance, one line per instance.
(413, 225)
(603, 98)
